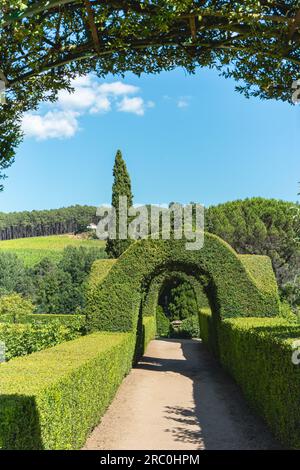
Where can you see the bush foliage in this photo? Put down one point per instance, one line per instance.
(15, 306)
(163, 325)
(13, 275)
(182, 302)
(53, 398)
(149, 331)
(252, 348)
(52, 287)
(23, 339)
(189, 328)
(42, 319)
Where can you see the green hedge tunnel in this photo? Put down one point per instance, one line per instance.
(237, 285)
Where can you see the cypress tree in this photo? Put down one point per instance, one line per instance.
(121, 187)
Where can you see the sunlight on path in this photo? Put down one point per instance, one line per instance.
(179, 398)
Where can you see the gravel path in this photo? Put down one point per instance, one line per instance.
(179, 398)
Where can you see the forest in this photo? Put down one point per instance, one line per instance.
(46, 222)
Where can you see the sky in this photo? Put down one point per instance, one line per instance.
(184, 138)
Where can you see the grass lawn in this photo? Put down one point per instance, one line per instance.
(32, 250)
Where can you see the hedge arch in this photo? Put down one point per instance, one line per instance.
(151, 296)
(238, 285)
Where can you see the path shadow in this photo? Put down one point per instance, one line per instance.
(220, 418)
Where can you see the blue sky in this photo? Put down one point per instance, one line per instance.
(184, 138)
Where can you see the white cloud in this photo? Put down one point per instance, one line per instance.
(53, 124)
(82, 98)
(118, 88)
(183, 102)
(134, 105)
(84, 80)
(61, 120)
(101, 104)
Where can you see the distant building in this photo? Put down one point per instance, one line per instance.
(92, 227)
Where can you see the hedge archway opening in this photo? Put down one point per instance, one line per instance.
(154, 286)
(177, 296)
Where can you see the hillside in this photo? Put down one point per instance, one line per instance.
(32, 250)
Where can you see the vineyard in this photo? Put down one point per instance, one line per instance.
(32, 250)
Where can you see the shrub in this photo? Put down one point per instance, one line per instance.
(13, 275)
(149, 326)
(76, 322)
(16, 306)
(182, 302)
(189, 328)
(41, 319)
(291, 292)
(258, 354)
(60, 287)
(163, 324)
(56, 293)
(21, 340)
(78, 262)
(208, 329)
(287, 312)
(52, 399)
(6, 318)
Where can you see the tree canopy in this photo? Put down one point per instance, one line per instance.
(44, 44)
(263, 227)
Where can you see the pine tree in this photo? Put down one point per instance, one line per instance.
(121, 187)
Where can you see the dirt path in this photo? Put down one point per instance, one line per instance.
(179, 398)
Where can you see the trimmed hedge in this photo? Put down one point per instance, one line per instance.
(113, 302)
(152, 295)
(149, 325)
(257, 352)
(100, 269)
(261, 271)
(208, 330)
(52, 399)
(163, 325)
(205, 318)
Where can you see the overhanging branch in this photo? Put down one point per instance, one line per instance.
(294, 26)
(86, 53)
(92, 24)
